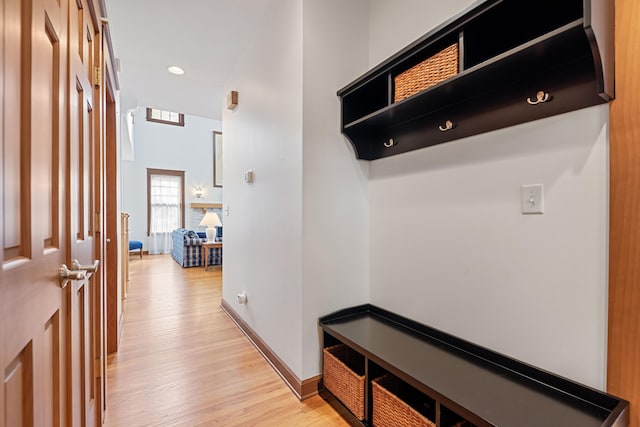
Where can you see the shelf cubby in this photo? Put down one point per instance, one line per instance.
(498, 30)
(396, 403)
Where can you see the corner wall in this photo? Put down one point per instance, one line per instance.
(335, 220)
(296, 239)
(450, 248)
(262, 234)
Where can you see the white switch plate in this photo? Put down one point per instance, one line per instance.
(532, 199)
(226, 210)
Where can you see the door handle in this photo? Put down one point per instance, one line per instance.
(75, 265)
(66, 275)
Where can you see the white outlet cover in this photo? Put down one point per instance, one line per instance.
(532, 199)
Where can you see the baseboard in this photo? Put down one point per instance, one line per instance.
(302, 389)
(309, 387)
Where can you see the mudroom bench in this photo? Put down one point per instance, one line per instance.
(380, 369)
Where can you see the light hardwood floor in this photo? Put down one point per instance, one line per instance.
(183, 362)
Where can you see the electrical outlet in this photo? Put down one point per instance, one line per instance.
(532, 199)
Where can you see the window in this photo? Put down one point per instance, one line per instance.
(165, 201)
(166, 117)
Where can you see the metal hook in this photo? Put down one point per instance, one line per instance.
(390, 143)
(448, 125)
(541, 97)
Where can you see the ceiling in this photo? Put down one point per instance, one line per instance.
(204, 37)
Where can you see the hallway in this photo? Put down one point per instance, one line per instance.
(183, 362)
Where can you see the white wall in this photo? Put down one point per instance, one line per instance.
(335, 220)
(450, 248)
(161, 146)
(297, 238)
(262, 249)
(395, 24)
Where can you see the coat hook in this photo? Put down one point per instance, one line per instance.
(541, 97)
(390, 143)
(448, 125)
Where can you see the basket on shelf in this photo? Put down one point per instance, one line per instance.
(341, 379)
(390, 410)
(427, 73)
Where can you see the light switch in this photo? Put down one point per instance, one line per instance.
(532, 199)
(248, 176)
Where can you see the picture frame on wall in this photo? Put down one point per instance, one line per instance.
(217, 159)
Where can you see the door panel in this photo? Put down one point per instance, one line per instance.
(78, 358)
(16, 63)
(48, 131)
(17, 385)
(52, 339)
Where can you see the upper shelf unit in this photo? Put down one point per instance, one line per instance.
(513, 61)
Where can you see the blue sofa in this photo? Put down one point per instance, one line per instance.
(187, 248)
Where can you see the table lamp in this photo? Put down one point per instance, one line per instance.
(211, 221)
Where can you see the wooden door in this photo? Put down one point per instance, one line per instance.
(84, 360)
(33, 216)
(48, 329)
(623, 358)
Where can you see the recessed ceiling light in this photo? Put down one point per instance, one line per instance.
(176, 70)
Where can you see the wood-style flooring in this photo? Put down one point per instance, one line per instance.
(183, 362)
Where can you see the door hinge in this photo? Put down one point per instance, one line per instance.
(97, 77)
(98, 368)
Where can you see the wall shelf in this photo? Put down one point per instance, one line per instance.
(508, 52)
(205, 206)
(467, 382)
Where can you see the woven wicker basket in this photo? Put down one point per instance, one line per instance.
(341, 380)
(389, 410)
(429, 72)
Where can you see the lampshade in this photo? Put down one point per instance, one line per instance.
(211, 221)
